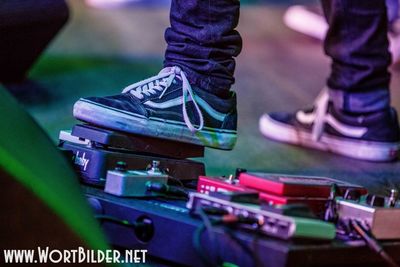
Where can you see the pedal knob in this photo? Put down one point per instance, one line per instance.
(352, 194)
(375, 201)
(238, 172)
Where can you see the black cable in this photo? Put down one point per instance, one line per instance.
(164, 197)
(171, 177)
(257, 259)
(210, 210)
(166, 171)
(199, 248)
(240, 242)
(209, 224)
(244, 220)
(373, 244)
(167, 189)
(224, 218)
(178, 181)
(331, 209)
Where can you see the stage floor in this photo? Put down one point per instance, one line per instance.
(101, 51)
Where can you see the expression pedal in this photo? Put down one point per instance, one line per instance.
(97, 150)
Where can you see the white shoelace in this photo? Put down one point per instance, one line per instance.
(162, 82)
(321, 108)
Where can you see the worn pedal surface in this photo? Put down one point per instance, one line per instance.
(137, 143)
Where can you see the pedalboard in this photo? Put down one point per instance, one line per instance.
(169, 222)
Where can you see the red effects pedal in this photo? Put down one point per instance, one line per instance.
(272, 188)
(207, 185)
(293, 185)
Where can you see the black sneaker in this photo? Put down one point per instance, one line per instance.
(165, 106)
(373, 136)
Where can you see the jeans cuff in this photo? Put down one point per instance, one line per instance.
(360, 102)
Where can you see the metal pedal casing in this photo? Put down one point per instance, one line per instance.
(383, 222)
(132, 183)
(274, 225)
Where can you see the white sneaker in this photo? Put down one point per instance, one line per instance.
(107, 4)
(374, 136)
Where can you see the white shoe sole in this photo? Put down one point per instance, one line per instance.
(302, 20)
(109, 4)
(107, 117)
(364, 150)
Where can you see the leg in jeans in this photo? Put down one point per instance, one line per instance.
(190, 99)
(392, 10)
(358, 45)
(352, 116)
(202, 40)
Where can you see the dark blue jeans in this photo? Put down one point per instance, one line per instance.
(202, 40)
(358, 45)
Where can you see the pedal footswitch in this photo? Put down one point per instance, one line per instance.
(128, 183)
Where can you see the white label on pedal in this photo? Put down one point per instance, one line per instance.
(81, 161)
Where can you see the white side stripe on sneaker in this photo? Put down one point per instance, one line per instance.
(179, 101)
(166, 104)
(351, 131)
(162, 82)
